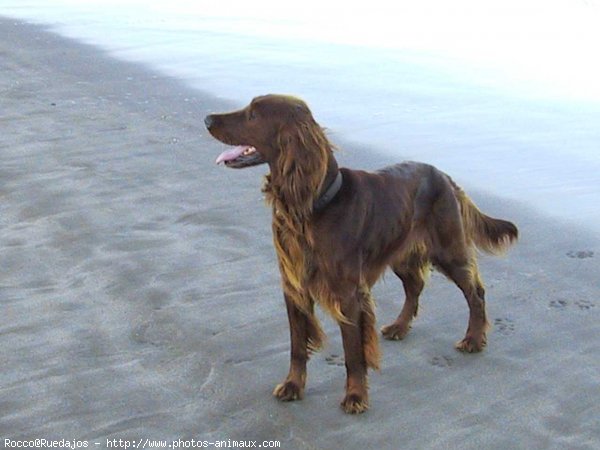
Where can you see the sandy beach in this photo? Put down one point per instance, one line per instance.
(140, 299)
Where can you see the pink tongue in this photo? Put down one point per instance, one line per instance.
(231, 154)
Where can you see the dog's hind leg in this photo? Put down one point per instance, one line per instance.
(454, 255)
(467, 278)
(458, 262)
(412, 271)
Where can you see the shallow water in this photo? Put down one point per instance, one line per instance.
(496, 97)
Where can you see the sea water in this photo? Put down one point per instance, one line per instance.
(503, 95)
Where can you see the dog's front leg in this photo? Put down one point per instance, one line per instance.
(356, 399)
(292, 387)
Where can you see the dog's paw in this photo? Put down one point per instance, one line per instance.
(354, 404)
(395, 331)
(471, 345)
(288, 391)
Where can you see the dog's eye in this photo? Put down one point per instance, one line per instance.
(252, 115)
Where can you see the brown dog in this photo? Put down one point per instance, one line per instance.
(337, 230)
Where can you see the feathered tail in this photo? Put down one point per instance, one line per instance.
(491, 235)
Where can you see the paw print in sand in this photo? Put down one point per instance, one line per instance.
(335, 360)
(580, 254)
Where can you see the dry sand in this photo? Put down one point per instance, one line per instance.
(140, 297)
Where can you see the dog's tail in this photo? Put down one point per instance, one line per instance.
(491, 235)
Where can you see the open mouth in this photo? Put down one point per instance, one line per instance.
(240, 156)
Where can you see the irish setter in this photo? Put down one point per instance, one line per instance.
(336, 231)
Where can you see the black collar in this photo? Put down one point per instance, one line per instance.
(326, 197)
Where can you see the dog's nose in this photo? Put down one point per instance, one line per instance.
(209, 120)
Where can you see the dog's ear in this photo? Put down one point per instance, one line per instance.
(302, 142)
(289, 148)
(301, 164)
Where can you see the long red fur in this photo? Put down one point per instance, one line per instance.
(407, 217)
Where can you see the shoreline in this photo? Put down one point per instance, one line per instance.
(142, 298)
(477, 125)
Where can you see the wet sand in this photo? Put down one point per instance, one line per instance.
(140, 295)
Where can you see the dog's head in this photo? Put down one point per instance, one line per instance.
(263, 131)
